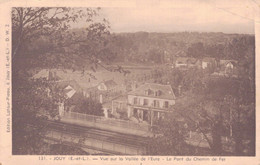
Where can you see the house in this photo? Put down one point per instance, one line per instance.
(92, 93)
(69, 85)
(108, 90)
(108, 86)
(187, 62)
(228, 66)
(72, 94)
(119, 106)
(149, 102)
(208, 63)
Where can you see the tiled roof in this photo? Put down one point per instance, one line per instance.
(166, 91)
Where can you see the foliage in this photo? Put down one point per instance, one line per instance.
(45, 35)
(170, 138)
(91, 107)
(31, 101)
(184, 80)
(156, 56)
(143, 47)
(225, 108)
(196, 50)
(219, 107)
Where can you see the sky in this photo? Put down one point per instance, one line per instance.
(228, 16)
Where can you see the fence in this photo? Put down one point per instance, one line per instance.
(126, 124)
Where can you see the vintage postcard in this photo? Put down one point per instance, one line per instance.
(130, 82)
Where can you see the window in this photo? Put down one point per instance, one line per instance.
(166, 104)
(135, 100)
(145, 102)
(148, 92)
(156, 103)
(119, 106)
(157, 93)
(135, 114)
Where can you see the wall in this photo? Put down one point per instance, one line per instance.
(150, 101)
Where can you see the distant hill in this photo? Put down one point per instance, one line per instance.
(143, 46)
(146, 48)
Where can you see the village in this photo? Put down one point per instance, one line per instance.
(81, 88)
(135, 101)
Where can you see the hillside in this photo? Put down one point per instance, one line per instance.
(143, 48)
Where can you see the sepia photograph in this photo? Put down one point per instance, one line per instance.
(146, 80)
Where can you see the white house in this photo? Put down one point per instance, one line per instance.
(150, 101)
(208, 62)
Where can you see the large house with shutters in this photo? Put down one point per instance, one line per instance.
(150, 102)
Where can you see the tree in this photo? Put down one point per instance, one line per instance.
(170, 138)
(156, 56)
(32, 101)
(91, 107)
(222, 107)
(215, 50)
(196, 50)
(65, 47)
(241, 47)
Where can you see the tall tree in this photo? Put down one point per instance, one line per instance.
(64, 45)
(51, 26)
(196, 50)
(170, 137)
(32, 100)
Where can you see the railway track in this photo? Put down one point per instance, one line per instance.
(93, 133)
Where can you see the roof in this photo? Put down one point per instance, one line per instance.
(72, 83)
(46, 73)
(70, 88)
(180, 53)
(121, 98)
(225, 62)
(166, 91)
(208, 59)
(110, 84)
(76, 98)
(186, 60)
(86, 80)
